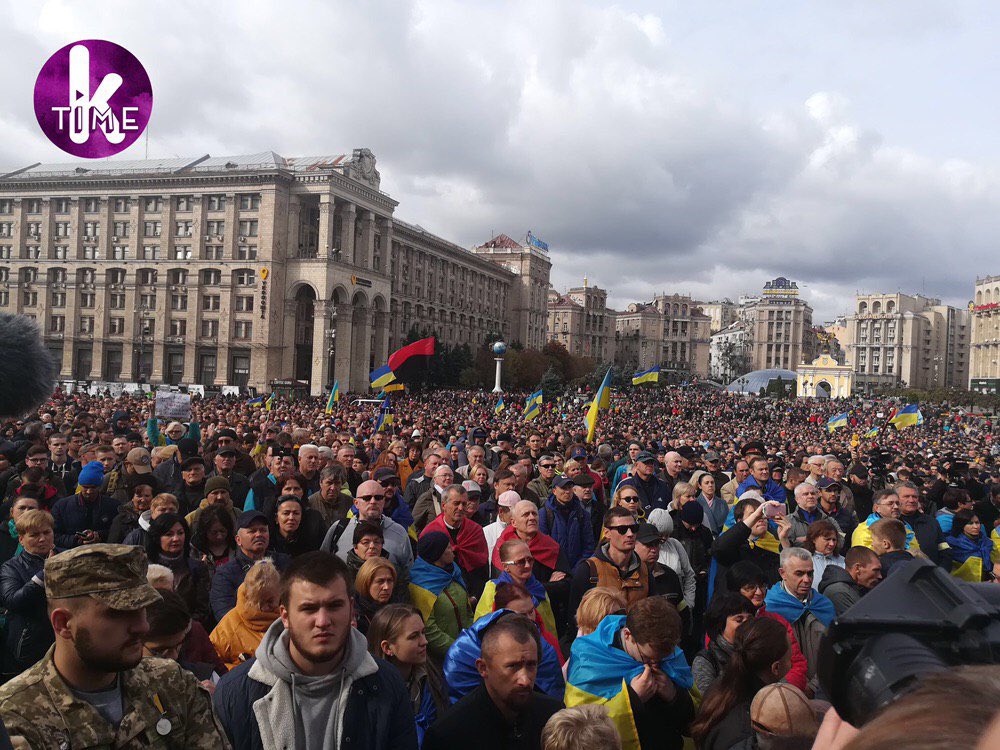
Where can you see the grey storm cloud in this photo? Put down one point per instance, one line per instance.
(585, 123)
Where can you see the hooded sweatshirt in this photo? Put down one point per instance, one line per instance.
(304, 712)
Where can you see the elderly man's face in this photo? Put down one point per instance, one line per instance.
(525, 517)
(798, 576)
(444, 476)
(807, 498)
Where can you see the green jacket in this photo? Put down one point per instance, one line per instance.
(451, 615)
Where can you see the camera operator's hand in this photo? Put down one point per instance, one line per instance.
(834, 733)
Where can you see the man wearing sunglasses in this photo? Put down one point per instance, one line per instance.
(614, 565)
(542, 484)
(369, 505)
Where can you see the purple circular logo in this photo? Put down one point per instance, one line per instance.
(93, 98)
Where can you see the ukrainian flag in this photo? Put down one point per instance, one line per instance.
(394, 387)
(599, 673)
(428, 581)
(269, 404)
(385, 416)
(334, 397)
(907, 416)
(601, 401)
(837, 420)
(969, 558)
(872, 432)
(255, 401)
(652, 375)
(533, 406)
(500, 406)
(381, 377)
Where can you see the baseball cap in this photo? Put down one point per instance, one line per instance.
(508, 499)
(471, 486)
(227, 452)
(578, 452)
(138, 459)
(645, 457)
(114, 574)
(827, 482)
(248, 518)
(782, 710)
(385, 473)
(563, 481)
(190, 463)
(712, 456)
(647, 533)
(226, 433)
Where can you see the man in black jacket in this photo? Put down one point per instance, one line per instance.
(925, 527)
(505, 712)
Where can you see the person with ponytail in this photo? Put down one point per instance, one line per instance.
(761, 656)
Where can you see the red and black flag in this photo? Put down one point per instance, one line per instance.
(412, 358)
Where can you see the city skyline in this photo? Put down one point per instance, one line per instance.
(681, 150)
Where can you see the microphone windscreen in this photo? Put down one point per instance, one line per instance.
(27, 372)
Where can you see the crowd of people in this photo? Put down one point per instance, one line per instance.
(292, 576)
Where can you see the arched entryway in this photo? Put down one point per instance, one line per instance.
(824, 390)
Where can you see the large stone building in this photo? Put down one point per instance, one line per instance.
(241, 271)
(722, 312)
(581, 321)
(901, 339)
(670, 331)
(528, 295)
(729, 352)
(780, 331)
(984, 366)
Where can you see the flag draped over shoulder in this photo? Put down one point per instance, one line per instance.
(602, 400)
(779, 601)
(411, 358)
(428, 581)
(907, 416)
(600, 673)
(652, 375)
(969, 557)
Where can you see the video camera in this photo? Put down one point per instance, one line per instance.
(917, 621)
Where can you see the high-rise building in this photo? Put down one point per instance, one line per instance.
(900, 339)
(528, 296)
(670, 331)
(781, 323)
(582, 322)
(729, 353)
(722, 312)
(984, 368)
(242, 270)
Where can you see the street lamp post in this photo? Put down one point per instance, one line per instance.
(499, 349)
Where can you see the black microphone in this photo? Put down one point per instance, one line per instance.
(27, 372)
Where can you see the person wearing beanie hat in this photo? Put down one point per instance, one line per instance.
(691, 530)
(438, 590)
(84, 518)
(217, 492)
(692, 513)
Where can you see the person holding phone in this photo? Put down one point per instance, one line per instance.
(749, 538)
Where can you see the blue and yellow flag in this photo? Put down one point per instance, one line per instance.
(256, 401)
(907, 416)
(533, 406)
(500, 406)
(334, 397)
(428, 581)
(599, 673)
(602, 400)
(381, 377)
(872, 432)
(652, 375)
(269, 404)
(970, 557)
(385, 415)
(837, 420)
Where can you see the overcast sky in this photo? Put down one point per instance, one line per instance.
(670, 146)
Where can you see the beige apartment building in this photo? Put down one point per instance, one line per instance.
(907, 340)
(984, 362)
(780, 327)
(670, 331)
(581, 321)
(241, 271)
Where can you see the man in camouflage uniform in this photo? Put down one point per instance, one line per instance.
(93, 688)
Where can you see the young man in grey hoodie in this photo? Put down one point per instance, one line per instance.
(313, 684)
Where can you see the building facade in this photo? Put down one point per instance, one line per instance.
(824, 377)
(781, 323)
(581, 321)
(907, 340)
(984, 365)
(670, 331)
(722, 312)
(528, 296)
(729, 353)
(235, 270)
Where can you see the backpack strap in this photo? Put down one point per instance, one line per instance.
(594, 578)
(339, 532)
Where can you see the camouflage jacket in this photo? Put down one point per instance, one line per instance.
(39, 707)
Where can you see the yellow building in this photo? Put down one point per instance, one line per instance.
(824, 378)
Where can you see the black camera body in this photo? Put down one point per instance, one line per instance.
(918, 620)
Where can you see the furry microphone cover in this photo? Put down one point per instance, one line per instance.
(27, 372)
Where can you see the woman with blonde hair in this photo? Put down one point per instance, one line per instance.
(374, 585)
(587, 727)
(240, 632)
(595, 605)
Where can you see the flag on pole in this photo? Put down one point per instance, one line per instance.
(907, 416)
(533, 406)
(385, 416)
(381, 377)
(256, 401)
(269, 404)
(872, 432)
(499, 407)
(837, 420)
(602, 400)
(334, 397)
(652, 375)
(411, 359)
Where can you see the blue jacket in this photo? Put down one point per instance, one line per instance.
(372, 719)
(228, 577)
(460, 663)
(772, 490)
(72, 515)
(570, 526)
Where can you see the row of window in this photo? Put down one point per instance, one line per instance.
(123, 204)
(144, 276)
(242, 329)
(121, 252)
(121, 229)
